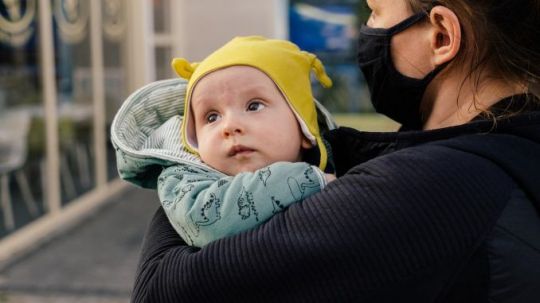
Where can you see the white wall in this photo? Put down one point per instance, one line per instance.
(201, 26)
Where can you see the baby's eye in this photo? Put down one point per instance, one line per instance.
(255, 106)
(211, 118)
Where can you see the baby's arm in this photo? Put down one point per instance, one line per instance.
(204, 206)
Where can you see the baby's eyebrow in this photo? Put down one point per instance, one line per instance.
(200, 103)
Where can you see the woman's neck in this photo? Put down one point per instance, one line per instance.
(454, 101)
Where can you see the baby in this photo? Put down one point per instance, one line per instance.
(250, 115)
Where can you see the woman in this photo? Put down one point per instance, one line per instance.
(446, 210)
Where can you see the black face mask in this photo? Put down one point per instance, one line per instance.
(392, 93)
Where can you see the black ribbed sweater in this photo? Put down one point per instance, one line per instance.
(404, 223)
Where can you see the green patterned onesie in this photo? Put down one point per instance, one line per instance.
(204, 206)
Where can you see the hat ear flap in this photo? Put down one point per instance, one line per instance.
(183, 68)
(320, 73)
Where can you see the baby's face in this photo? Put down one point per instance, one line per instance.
(243, 122)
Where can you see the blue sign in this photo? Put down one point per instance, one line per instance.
(323, 28)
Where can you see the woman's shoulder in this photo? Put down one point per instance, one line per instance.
(435, 158)
(436, 168)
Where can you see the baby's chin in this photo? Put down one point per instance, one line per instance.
(244, 170)
(238, 167)
(233, 171)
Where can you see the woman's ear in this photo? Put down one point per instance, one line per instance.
(446, 36)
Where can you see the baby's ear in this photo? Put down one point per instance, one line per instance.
(306, 143)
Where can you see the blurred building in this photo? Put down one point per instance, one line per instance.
(65, 68)
(67, 65)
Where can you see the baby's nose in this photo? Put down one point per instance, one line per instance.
(232, 126)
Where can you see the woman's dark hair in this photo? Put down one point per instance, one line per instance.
(502, 36)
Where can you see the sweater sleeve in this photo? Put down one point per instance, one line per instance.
(399, 228)
(203, 206)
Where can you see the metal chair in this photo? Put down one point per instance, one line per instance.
(14, 128)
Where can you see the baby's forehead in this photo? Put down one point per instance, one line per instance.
(232, 81)
(233, 76)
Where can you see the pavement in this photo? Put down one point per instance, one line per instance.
(94, 262)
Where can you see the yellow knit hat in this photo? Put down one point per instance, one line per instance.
(282, 61)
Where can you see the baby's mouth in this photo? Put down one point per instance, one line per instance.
(239, 150)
